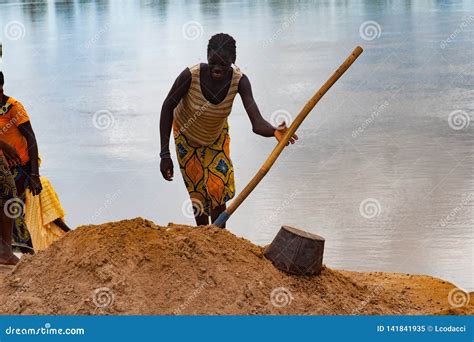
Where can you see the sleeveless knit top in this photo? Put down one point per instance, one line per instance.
(200, 120)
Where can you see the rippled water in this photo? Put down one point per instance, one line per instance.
(380, 171)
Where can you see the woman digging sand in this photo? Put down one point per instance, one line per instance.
(196, 108)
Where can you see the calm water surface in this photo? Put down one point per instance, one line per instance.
(382, 170)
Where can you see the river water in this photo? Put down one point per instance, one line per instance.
(384, 166)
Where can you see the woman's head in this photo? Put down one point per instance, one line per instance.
(221, 54)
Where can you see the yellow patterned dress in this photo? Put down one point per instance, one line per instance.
(40, 213)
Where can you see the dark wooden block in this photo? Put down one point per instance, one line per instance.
(296, 251)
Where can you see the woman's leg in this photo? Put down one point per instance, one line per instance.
(6, 229)
(61, 224)
(200, 209)
(216, 212)
(202, 220)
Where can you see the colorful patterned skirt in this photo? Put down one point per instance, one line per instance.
(21, 236)
(8, 195)
(207, 170)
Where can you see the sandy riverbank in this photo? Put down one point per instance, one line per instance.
(137, 267)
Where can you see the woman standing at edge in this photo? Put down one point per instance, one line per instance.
(16, 130)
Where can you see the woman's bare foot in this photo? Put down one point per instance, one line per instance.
(9, 259)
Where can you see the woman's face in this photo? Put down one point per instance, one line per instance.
(219, 63)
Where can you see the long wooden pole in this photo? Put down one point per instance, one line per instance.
(224, 216)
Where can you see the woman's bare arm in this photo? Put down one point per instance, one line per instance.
(178, 90)
(259, 125)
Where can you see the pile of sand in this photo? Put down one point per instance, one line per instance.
(137, 267)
